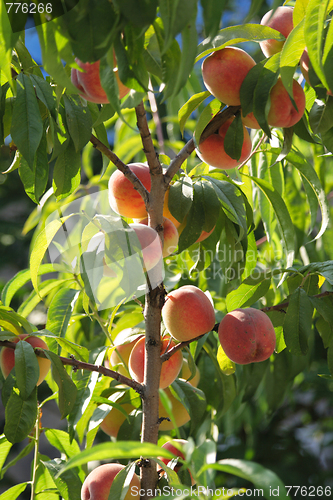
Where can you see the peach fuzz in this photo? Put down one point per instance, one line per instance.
(169, 370)
(170, 236)
(282, 21)
(247, 336)
(7, 357)
(166, 211)
(98, 483)
(282, 112)
(179, 412)
(150, 243)
(212, 151)
(123, 198)
(185, 374)
(188, 313)
(114, 420)
(223, 73)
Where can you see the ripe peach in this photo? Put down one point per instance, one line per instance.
(170, 235)
(120, 354)
(223, 73)
(150, 243)
(247, 336)
(188, 313)
(185, 374)
(7, 357)
(212, 151)
(98, 483)
(123, 198)
(170, 368)
(89, 83)
(166, 211)
(282, 21)
(114, 420)
(282, 112)
(179, 412)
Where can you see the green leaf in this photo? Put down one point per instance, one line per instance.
(61, 440)
(330, 358)
(44, 93)
(195, 221)
(41, 244)
(67, 388)
(297, 323)
(192, 398)
(35, 179)
(20, 416)
(231, 201)
(68, 484)
(26, 368)
(27, 124)
(314, 35)
(67, 172)
(191, 105)
(248, 87)
(139, 12)
(233, 141)
(282, 216)
(79, 121)
(323, 268)
(19, 280)
(117, 490)
(118, 451)
(212, 13)
(247, 294)
(180, 198)
(210, 202)
(5, 447)
(266, 80)
(212, 108)
(13, 492)
(237, 34)
(60, 311)
(291, 53)
(309, 175)
(23, 453)
(46, 287)
(262, 478)
(327, 56)
(320, 116)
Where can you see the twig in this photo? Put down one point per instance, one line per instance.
(82, 365)
(122, 167)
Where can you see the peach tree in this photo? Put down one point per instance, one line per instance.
(180, 171)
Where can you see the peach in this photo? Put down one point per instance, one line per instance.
(170, 236)
(7, 357)
(98, 483)
(250, 121)
(282, 112)
(166, 211)
(212, 151)
(282, 21)
(185, 374)
(120, 354)
(247, 336)
(114, 420)
(179, 412)
(188, 313)
(123, 198)
(170, 368)
(150, 243)
(89, 83)
(223, 73)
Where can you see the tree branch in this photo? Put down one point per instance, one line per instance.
(82, 365)
(147, 141)
(122, 167)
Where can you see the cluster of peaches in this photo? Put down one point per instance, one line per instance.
(223, 74)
